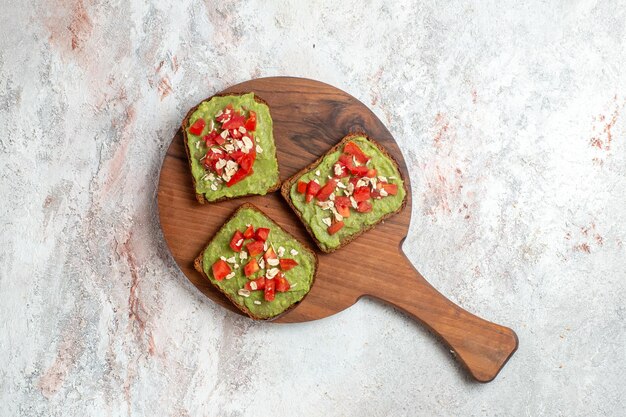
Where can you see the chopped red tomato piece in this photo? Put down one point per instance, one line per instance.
(311, 190)
(251, 122)
(360, 171)
(346, 161)
(255, 248)
(361, 194)
(249, 233)
(262, 233)
(210, 138)
(236, 121)
(197, 127)
(269, 254)
(255, 284)
(287, 264)
(226, 113)
(327, 190)
(281, 285)
(371, 173)
(246, 161)
(235, 134)
(343, 210)
(238, 176)
(353, 149)
(302, 187)
(269, 289)
(251, 267)
(364, 207)
(236, 243)
(342, 204)
(335, 227)
(220, 270)
(392, 189)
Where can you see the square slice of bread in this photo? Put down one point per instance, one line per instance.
(304, 256)
(193, 157)
(288, 191)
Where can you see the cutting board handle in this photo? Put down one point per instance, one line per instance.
(482, 347)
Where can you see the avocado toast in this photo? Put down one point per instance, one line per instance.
(261, 268)
(229, 142)
(349, 190)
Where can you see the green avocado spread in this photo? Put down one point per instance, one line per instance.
(313, 214)
(300, 277)
(265, 165)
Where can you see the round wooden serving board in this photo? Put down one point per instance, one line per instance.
(309, 118)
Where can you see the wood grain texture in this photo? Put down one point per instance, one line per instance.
(309, 118)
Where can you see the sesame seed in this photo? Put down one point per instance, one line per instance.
(317, 172)
(257, 302)
(243, 292)
(231, 275)
(259, 149)
(293, 252)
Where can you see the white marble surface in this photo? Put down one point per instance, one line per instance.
(511, 118)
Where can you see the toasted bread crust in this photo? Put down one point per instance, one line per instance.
(287, 184)
(184, 127)
(198, 265)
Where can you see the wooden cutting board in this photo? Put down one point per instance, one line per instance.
(309, 118)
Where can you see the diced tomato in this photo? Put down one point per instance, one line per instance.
(236, 121)
(361, 194)
(236, 243)
(364, 207)
(255, 248)
(210, 138)
(343, 172)
(335, 227)
(259, 284)
(262, 233)
(371, 173)
(360, 171)
(251, 122)
(226, 113)
(346, 161)
(287, 264)
(197, 127)
(249, 233)
(220, 270)
(269, 254)
(235, 134)
(392, 189)
(251, 267)
(236, 155)
(353, 149)
(342, 201)
(246, 161)
(343, 210)
(220, 140)
(311, 190)
(281, 285)
(237, 176)
(327, 190)
(375, 193)
(269, 289)
(302, 187)
(342, 204)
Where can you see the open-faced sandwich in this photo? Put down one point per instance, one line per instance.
(229, 141)
(349, 190)
(260, 267)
